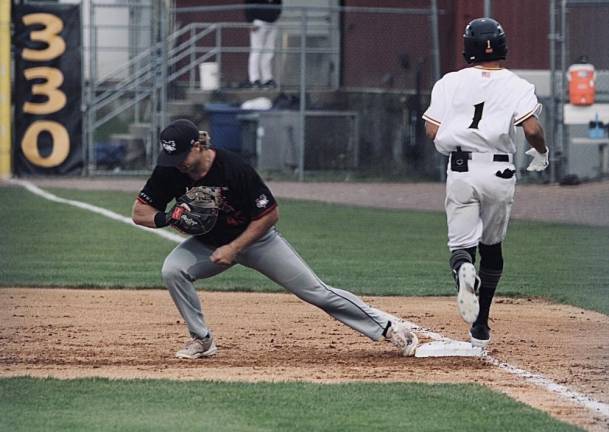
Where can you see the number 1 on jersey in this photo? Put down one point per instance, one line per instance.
(477, 115)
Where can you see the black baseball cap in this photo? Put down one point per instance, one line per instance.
(176, 141)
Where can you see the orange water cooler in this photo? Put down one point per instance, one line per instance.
(581, 84)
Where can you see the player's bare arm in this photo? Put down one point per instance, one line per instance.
(143, 214)
(539, 151)
(534, 132)
(431, 130)
(226, 254)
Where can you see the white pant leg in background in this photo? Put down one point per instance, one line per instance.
(266, 58)
(262, 44)
(478, 204)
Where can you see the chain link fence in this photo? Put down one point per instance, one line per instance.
(350, 83)
(349, 86)
(581, 121)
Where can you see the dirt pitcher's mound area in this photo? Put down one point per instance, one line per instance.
(134, 334)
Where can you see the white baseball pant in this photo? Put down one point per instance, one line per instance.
(262, 45)
(478, 202)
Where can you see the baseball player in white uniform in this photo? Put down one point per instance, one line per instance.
(472, 119)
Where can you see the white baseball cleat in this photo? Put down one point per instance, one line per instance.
(406, 341)
(197, 348)
(467, 298)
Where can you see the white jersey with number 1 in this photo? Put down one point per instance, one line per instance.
(477, 108)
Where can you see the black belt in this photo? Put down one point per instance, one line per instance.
(496, 157)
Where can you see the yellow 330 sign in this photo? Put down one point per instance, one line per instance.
(49, 103)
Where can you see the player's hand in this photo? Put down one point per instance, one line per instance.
(540, 160)
(163, 219)
(224, 255)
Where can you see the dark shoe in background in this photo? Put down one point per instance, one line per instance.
(250, 85)
(270, 84)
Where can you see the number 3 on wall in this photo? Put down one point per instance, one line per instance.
(56, 99)
(49, 35)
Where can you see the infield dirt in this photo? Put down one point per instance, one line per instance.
(69, 333)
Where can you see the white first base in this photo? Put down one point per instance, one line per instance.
(448, 348)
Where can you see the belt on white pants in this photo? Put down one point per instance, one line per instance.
(490, 157)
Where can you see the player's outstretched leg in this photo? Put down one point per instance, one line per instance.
(274, 257)
(491, 267)
(464, 272)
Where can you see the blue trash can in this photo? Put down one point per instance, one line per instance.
(110, 154)
(225, 127)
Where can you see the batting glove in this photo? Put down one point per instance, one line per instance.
(540, 160)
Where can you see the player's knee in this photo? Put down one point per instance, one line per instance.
(491, 257)
(171, 271)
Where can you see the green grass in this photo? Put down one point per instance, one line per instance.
(368, 251)
(145, 405)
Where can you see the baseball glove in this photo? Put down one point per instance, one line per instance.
(195, 212)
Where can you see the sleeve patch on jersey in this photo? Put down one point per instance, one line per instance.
(262, 201)
(535, 111)
(431, 120)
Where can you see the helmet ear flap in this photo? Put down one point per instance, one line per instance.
(471, 50)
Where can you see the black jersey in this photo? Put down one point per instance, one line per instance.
(238, 191)
(268, 15)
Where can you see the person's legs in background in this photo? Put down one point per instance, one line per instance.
(266, 58)
(257, 38)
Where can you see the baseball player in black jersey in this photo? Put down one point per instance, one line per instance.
(238, 227)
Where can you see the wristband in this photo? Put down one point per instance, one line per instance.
(160, 220)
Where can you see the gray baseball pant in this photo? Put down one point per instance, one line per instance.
(274, 257)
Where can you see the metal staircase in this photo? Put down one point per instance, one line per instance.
(139, 88)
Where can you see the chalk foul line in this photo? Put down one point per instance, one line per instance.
(95, 209)
(531, 377)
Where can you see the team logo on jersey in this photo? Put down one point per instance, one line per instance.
(168, 145)
(262, 201)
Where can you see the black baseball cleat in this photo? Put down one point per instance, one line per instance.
(480, 335)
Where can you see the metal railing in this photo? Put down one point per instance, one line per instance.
(138, 87)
